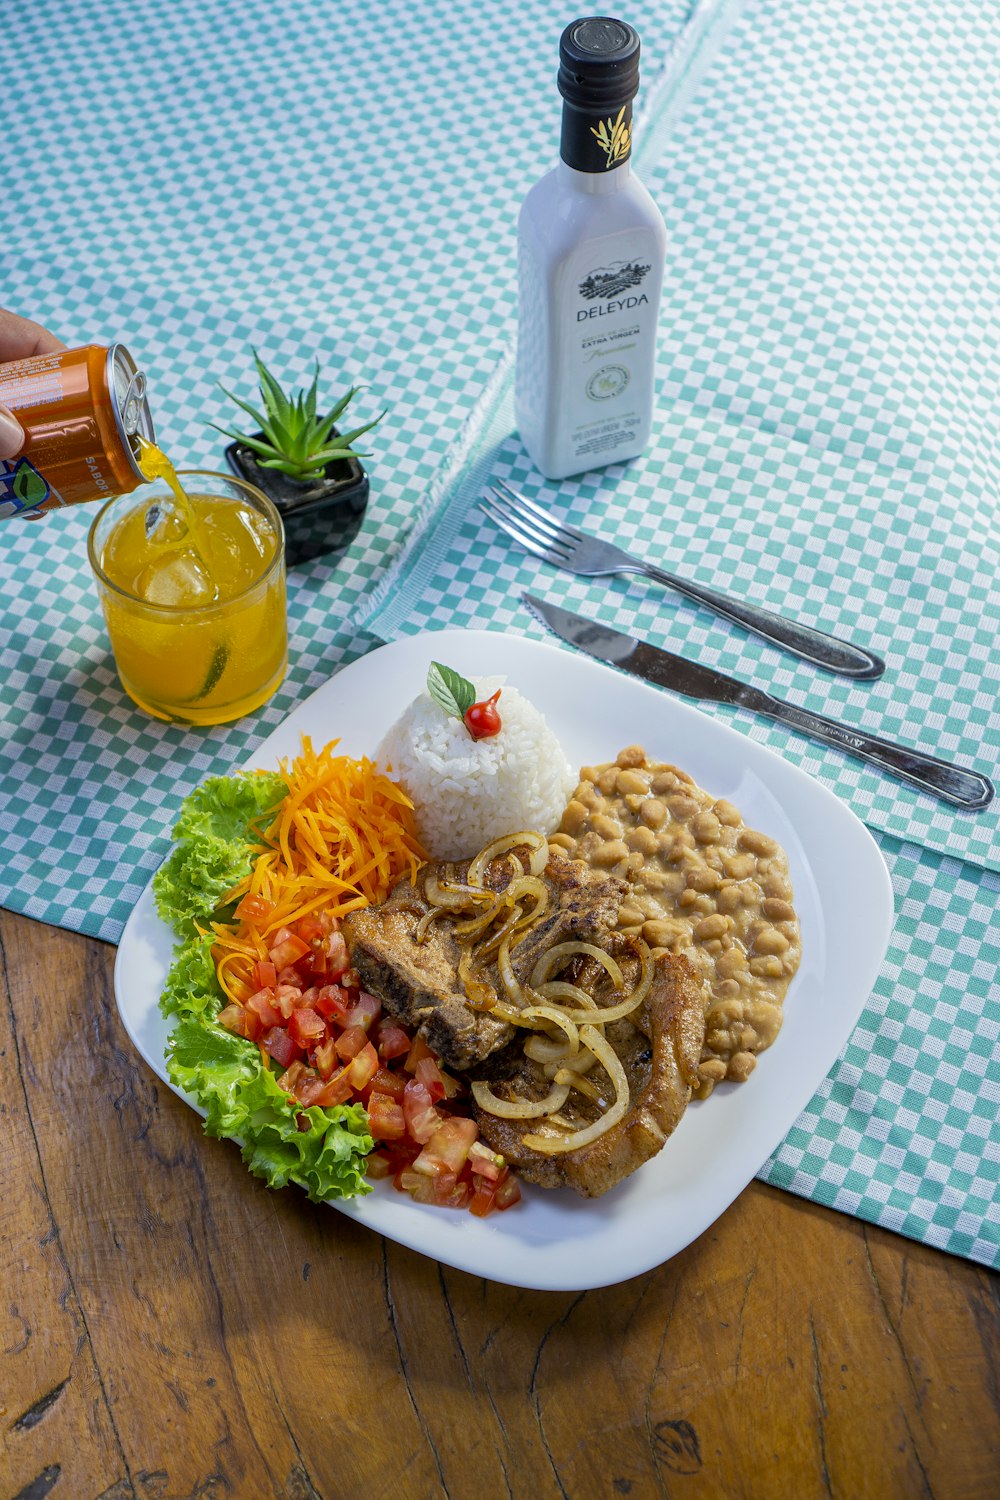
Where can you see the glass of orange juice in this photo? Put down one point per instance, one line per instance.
(192, 584)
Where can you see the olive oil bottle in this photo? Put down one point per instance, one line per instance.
(591, 246)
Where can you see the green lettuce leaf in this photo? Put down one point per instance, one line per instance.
(224, 1073)
(214, 846)
(227, 1077)
(192, 988)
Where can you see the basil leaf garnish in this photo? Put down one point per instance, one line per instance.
(450, 690)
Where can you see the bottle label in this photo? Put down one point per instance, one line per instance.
(595, 142)
(609, 330)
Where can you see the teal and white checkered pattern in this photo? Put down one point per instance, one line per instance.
(829, 396)
(903, 1132)
(342, 181)
(333, 181)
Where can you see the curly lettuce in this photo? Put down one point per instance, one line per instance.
(242, 1098)
(215, 843)
(223, 1073)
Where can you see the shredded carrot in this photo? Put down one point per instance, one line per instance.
(342, 837)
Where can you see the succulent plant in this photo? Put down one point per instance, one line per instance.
(295, 440)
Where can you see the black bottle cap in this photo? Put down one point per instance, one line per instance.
(598, 63)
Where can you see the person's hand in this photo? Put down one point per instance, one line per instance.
(19, 339)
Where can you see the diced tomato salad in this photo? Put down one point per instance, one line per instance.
(309, 1015)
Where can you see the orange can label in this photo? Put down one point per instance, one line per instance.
(79, 418)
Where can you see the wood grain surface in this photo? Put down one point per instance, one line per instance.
(171, 1328)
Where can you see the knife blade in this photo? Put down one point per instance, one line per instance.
(940, 778)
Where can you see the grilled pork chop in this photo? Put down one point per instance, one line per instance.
(659, 1048)
(418, 982)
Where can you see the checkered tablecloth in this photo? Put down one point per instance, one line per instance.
(343, 181)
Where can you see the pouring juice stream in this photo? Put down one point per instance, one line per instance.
(197, 610)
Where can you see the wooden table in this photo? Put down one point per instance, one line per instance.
(172, 1328)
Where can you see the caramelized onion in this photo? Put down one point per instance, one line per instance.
(558, 989)
(490, 925)
(425, 921)
(525, 886)
(480, 995)
(508, 977)
(546, 1049)
(501, 937)
(531, 885)
(559, 956)
(579, 1082)
(606, 1013)
(536, 842)
(454, 897)
(552, 1145)
(472, 927)
(520, 1109)
(581, 1063)
(557, 1018)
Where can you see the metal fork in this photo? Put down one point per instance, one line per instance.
(565, 547)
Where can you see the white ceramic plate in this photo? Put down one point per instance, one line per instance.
(555, 1240)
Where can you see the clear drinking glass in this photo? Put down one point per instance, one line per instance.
(194, 596)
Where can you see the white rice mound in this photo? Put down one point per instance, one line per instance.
(468, 792)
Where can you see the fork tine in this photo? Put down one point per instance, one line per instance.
(541, 525)
(528, 542)
(513, 525)
(525, 527)
(537, 511)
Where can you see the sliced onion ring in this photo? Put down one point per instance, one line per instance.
(480, 995)
(545, 1049)
(558, 989)
(602, 1015)
(472, 927)
(530, 885)
(556, 1017)
(558, 956)
(425, 921)
(454, 896)
(532, 841)
(507, 976)
(521, 1109)
(579, 1082)
(500, 943)
(581, 1063)
(552, 1145)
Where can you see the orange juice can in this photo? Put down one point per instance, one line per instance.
(83, 411)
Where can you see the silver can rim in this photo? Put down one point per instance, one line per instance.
(120, 362)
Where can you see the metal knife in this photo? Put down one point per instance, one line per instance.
(952, 783)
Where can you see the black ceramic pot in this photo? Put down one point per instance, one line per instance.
(320, 516)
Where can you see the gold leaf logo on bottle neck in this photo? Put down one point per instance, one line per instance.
(614, 137)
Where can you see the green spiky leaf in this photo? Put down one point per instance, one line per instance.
(293, 439)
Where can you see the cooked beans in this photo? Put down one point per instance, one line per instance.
(609, 853)
(653, 813)
(633, 781)
(643, 839)
(703, 884)
(706, 828)
(770, 941)
(632, 755)
(712, 927)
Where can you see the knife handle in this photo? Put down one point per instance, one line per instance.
(811, 645)
(938, 777)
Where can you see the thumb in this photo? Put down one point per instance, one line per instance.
(11, 434)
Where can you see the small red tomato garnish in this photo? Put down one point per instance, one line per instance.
(482, 720)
